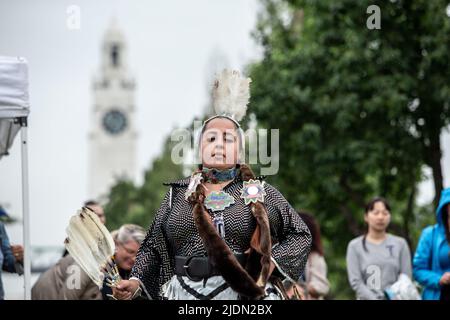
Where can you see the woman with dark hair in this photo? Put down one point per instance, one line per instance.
(222, 233)
(432, 258)
(376, 260)
(316, 282)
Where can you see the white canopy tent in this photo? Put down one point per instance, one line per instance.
(14, 110)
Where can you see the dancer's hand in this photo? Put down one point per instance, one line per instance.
(125, 289)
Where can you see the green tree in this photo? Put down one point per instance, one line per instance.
(128, 203)
(360, 111)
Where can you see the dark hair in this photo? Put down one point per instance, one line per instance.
(444, 217)
(314, 228)
(371, 204)
(369, 207)
(91, 203)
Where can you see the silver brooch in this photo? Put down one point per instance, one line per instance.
(196, 179)
(253, 191)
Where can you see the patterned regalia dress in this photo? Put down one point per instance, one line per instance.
(174, 232)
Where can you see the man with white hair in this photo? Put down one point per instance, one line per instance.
(128, 239)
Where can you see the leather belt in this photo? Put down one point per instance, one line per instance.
(197, 268)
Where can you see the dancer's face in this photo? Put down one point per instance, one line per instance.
(220, 144)
(378, 218)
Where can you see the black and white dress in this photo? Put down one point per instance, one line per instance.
(173, 233)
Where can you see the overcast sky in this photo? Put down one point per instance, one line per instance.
(173, 48)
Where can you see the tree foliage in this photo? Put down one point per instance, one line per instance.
(360, 111)
(129, 203)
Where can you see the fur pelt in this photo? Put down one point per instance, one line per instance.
(248, 282)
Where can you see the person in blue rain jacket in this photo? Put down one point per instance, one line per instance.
(11, 257)
(431, 263)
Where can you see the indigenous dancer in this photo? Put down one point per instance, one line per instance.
(221, 233)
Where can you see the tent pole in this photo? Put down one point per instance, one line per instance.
(25, 207)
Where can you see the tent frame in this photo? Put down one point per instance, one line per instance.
(23, 122)
(15, 108)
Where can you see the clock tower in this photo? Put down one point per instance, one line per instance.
(112, 137)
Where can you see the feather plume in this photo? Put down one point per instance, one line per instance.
(91, 245)
(231, 94)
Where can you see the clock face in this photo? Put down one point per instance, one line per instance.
(114, 122)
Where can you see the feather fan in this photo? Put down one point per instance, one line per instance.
(92, 247)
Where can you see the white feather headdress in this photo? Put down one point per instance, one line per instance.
(231, 94)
